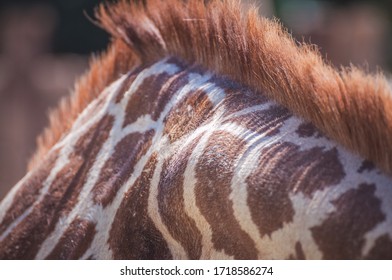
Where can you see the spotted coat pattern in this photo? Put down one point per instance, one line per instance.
(171, 161)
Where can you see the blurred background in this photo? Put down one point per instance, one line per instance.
(45, 46)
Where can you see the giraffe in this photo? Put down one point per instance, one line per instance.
(206, 132)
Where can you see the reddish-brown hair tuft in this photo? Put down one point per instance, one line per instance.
(349, 106)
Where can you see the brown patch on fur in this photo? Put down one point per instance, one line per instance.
(187, 115)
(143, 101)
(127, 84)
(214, 172)
(133, 234)
(307, 130)
(267, 121)
(70, 180)
(153, 95)
(74, 242)
(25, 240)
(299, 252)
(366, 166)
(281, 169)
(119, 167)
(29, 191)
(382, 249)
(342, 234)
(171, 202)
(27, 237)
(238, 98)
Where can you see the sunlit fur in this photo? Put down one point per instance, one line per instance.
(349, 106)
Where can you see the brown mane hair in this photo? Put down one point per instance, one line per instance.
(349, 106)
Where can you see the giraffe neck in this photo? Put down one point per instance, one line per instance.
(171, 161)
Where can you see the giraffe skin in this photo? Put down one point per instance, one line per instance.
(171, 161)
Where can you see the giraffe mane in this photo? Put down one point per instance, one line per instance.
(348, 105)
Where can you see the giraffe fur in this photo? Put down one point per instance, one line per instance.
(207, 134)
